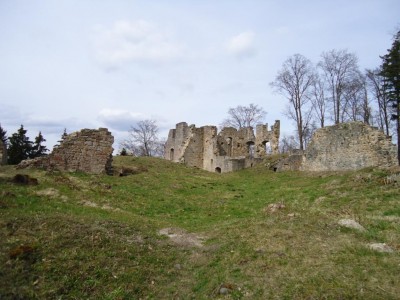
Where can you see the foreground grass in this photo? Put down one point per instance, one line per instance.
(79, 236)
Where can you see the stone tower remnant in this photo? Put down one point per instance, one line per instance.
(88, 150)
(229, 150)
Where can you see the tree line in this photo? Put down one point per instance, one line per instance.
(19, 147)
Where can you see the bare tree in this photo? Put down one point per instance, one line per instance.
(355, 104)
(377, 87)
(294, 81)
(244, 116)
(308, 133)
(339, 68)
(287, 144)
(318, 100)
(143, 140)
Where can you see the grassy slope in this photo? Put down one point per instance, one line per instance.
(78, 236)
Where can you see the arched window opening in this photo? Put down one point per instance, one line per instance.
(171, 154)
(217, 170)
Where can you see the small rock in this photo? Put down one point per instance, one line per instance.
(224, 291)
(291, 215)
(349, 223)
(178, 267)
(380, 247)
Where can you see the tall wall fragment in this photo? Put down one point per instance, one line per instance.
(88, 150)
(229, 150)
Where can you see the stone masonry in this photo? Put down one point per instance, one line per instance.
(3, 153)
(88, 150)
(349, 146)
(229, 150)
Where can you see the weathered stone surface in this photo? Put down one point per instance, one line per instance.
(349, 146)
(229, 150)
(380, 247)
(3, 153)
(352, 224)
(88, 150)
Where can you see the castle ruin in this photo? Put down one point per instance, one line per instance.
(88, 150)
(229, 150)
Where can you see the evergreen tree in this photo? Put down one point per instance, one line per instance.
(123, 152)
(63, 136)
(38, 149)
(19, 147)
(391, 75)
(3, 135)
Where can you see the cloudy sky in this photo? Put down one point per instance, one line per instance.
(108, 63)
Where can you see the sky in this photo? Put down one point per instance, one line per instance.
(78, 64)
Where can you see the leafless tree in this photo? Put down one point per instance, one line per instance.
(295, 81)
(244, 116)
(377, 86)
(308, 133)
(355, 104)
(318, 100)
(287, 144)
(339, 68)
(143, 139)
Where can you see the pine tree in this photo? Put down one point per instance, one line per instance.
(38, 149)
(19, 147)
(3, 135)
(391, 74)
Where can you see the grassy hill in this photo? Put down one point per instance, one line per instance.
(173, 232)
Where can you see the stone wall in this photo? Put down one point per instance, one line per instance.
(349, 146)
(229, 150)
(3, 153)
(88, 150)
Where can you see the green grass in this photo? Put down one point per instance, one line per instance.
(80, 236)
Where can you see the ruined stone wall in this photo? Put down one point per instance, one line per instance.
(265, 136)
(230, 150)
(3, 153)
(88, 150)
(177, 142)
(209, 147)
(348, 146)
(193, 154)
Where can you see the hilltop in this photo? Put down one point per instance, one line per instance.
(168, 231)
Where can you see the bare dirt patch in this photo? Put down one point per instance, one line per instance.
(182, 238)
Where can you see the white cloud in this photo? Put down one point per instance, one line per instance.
(242, 45)
(129, 41)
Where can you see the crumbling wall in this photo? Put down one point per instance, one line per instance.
(265, 138)
(88, 150)
(348, 146)
(229, 150)
(177, 142)
(3, 153)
